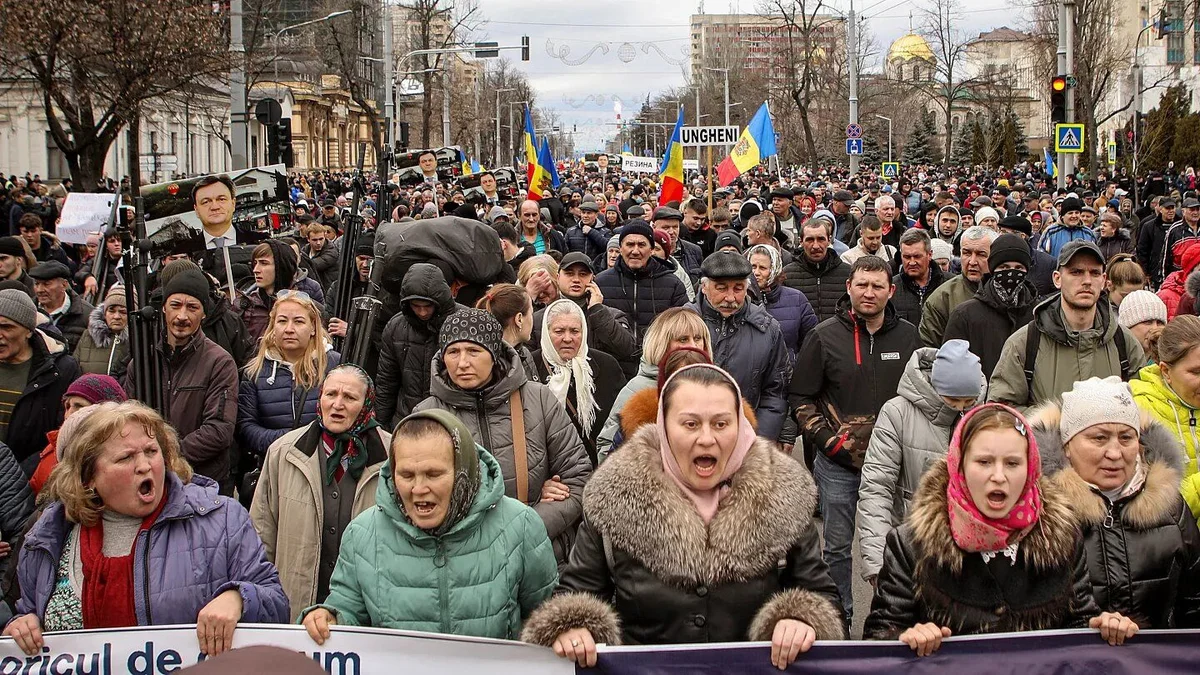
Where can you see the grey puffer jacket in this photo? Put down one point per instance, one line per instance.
(646, 378)
(911, 433)
(552, 446)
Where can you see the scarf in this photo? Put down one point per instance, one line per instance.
(1130, 488)
(973, 531)
(1008, 285)
(349, 450)
(577, 370)
(706, 501)
(773, 255)
(467, 475)
(108, 595)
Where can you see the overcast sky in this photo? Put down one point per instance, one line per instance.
(576, 26)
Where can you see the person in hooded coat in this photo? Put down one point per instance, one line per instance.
(445, 553)
(1003, 303)
(410, 341)
(1120, 470)
(479, 378)
(666, 553)
(254, 302)
(104, 347)
(789, 306)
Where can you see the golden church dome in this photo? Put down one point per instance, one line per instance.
(909, 47)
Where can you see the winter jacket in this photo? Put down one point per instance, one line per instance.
(288, 509)
(608, 330)
(325, 265)
(273, 404)
(1179, 231)
(749, 346)
(607, 381)
(641, 294)
(610, 435)
(647, 569)
(16, 504)
(74, 322)
(1063, 357)
(688, 256)
(912, 432)
(823, 283)
(39, 408)
(1151, 246)
(1042, 272)
(1056, 236)
(842, 371)
(225, 327)
(1143, 551)
(99, 351)
(482, 578)
(705, 237)
(591, 244)
(941, 303)
(201, 545)
(909, 298)
(985, 322)
(254, 306)
(689, 282)
(409, 344)
(927, 578)
(1120, 242)
(1155, 396)
(552, 447)
(202, 403)
(795, 315)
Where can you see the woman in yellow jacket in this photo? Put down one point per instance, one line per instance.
(1170, 390)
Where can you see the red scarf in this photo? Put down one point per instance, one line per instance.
(108, 582)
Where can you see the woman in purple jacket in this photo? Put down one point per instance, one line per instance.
(132, 538)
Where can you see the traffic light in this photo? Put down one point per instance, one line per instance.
(1058, 100)
(281, 142)
(404, 135)
(524, 47)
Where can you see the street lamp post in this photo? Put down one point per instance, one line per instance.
(496, 157)
(889, 121)
(725, 72)
(512, 127)
(281, 31)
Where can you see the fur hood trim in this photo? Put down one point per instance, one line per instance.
(101, 334)
(634, 505)
(570, 611)
(642, 409)
(1050, 545)
(1157, 502)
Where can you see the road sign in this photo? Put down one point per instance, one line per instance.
(891, 169)
(1068, 138)
(693, 136)
(1112, 153)
(854, 146)
(853, 131)
(410, 87)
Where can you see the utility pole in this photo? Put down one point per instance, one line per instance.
(496, 161)
(445, 100)
(1066, 66)
(389, 76)
(852, 52)
(238, 118)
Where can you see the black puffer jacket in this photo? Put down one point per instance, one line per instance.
(409, 344)
(985, 322)
(1143, 551)
(224, 327)
(927, 578)
(822, 283)
(324, 265)
(16, 497)
(909, 298)
(646, 569)
(642, 294)
(39, 408)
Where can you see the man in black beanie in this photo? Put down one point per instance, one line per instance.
(639, 284)
(1041, 273)
(364, 253)
(13, 262)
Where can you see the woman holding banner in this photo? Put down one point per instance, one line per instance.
(990, 546)
(683, 536)
(132, 538)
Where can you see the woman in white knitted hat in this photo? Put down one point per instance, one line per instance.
(1145, 315)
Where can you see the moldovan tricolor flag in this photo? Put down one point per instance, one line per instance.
(545, 175)
(670, 174)
(531, 158)
(756, 144)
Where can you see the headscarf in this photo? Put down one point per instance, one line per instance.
(973, 531)
(466, 470)
(706, 502)
(578, 369)
(349, 448)
(479, 327)
(770, 252)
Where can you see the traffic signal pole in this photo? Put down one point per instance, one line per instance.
(1066, 66)
(852, 52)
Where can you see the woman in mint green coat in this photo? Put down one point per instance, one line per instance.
(444, 551)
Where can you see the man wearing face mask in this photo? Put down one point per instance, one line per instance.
(976, 244)
(1003, 304)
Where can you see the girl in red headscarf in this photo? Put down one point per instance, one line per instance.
(989, 547)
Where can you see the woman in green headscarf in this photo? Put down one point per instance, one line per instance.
(446, 551)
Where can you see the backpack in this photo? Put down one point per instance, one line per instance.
(1033, 341)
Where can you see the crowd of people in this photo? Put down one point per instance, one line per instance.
(658, 423)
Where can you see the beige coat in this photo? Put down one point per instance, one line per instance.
(287, 508)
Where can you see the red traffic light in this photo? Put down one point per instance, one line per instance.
(1059, 83)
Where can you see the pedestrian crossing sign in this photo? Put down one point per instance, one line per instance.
(1068, 138)
(891, 170)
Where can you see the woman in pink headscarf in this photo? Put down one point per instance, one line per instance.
(682, 537)
(989, 547)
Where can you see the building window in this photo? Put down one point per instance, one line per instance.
(1175, 38)
(1196, 33)
(174, 139)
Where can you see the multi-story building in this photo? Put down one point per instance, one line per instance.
(756, 44)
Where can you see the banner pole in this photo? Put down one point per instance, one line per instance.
(710, 181)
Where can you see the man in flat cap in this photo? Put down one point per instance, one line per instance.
(746, 340)
(68, 312)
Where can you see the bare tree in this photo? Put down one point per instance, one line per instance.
(949, 45)
(95, 62)
(348, 51)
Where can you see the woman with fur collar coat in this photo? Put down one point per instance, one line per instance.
(682, 537)
(990, 546)
(1142, 544)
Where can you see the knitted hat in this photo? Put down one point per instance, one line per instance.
(11, 246)
(193, 283)
(725, 265)
(96, 389)
(636, 227)
(728, 238)
(430, 210)
(956, 371)
(174, 267)
(664, 240)
(1097, 401)
(115, 296)
(1009, 248)
(942, 249)
(986, 212)
(18, 307)
(473, 325)
(614, 242)
(365, 244)
(1070, 204)
(1017, 223)
(1139, 306)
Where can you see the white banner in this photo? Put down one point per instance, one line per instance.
(691, 165)
(83, 213)
(348, 651)
(639, 164)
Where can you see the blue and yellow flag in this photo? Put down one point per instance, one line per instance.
(531, 158)
(756, 143)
